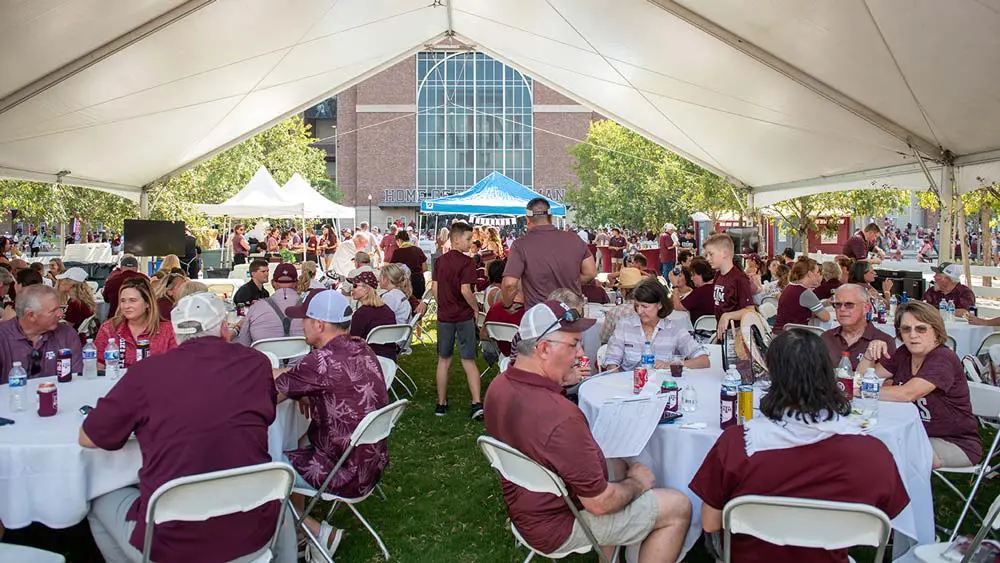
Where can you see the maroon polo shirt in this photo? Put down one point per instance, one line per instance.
(451, 271)
(700, 303)
(15, 347)
(366, 318)
(960, 294)
(560, 441)
(497, 314)
(668, 251)
(546, 259)
(113, 284)
(731, 292)
(947, 411)
(204, 406)
(836, 345)
(843, 468)
(856, 247)
(825, 289)
(618, 241)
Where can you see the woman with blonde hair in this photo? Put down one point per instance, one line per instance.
(492, 243)
(395, 280)
(75, 296)
(190, 288)
(307, 278)
(166, 293)
(56, 267)
(832, 275)
(137, 318)
(170, 261)
(371, 312)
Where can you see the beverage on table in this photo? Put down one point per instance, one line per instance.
(871, 385)
(64, 373)
(585, 364)
(728, 397)
(845, 380)
(676, 366)
(639, 377)
(111, 358)
(48, 399)
(892, 306)
(141, 350)
(669, 390)
(943, 309)
(17, 382)
(904, 298)
(689, 399)
(89, 360)
(951, 310)
(881, 312)
(744, 403)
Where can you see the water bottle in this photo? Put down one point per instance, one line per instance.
(17, 382)
(647, 360)
(618, 297)
(892, 306)
(727, 398)
(903, 298)
(880, 310)
(111, 358)
(951, 310)
(943, 309)
(89, 360)
(729, 361)
(844, 367)
(870, 387)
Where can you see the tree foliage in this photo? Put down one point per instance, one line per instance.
(284, 149)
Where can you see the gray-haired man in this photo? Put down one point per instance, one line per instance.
(35, 335)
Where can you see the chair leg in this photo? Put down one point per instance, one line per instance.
(530, 555)
(961, 495)
(300, 523)
(393, 391)
(385, 551)
(408, 378)
(378, 489)
(329, 513)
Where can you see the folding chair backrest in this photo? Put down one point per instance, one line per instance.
(196, 498)
(480, 300)
(990, 340)
(239, 272)
(985, 400)
(388, 370)
(808, 523)
(284, 347)
(519, 469)
(501, 332)
(480, 319)
(377, 425)
(602, 354)
(950, 343)
(705, 322)
(275, 362)
(389, 334)
(973, 368)
(771, 300)
(768, 310)
(809, 328)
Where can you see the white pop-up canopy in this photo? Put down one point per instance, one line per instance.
(783, 97)
(314, 205)
(261, 197)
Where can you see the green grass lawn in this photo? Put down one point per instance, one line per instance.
(444, 502)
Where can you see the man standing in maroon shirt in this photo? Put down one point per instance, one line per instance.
(128, 267)
(801, 446)
(733, 295)
(201, 407)
(668, 249)
(862, 243)
(620, 509)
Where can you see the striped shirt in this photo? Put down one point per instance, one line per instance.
(625, 346)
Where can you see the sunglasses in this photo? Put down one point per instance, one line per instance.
(848, 305)
(919, 329)
(569, 315)
(35, 365)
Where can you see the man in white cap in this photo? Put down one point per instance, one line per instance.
(343, 382)
(203, 406)
(948, 286)
(617, 499)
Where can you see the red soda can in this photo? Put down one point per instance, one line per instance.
(639, 378)
(48, 399)
(846, 386)
(585, 363)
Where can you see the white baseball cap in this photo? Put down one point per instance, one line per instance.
(953, 271)
(200, 312)
(76, 274)
(324, 305)
(551, 316)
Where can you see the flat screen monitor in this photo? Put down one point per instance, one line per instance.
(154, 238)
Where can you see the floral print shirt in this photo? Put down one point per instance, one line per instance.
(344, 383)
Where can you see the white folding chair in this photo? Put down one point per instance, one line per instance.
(973, 369)
(500, 332)
(706, 322)
(88, 327)
(398, 335)
(239, 272)
(480, 300)
(525, 472)
(934, 553)
(373, 428)
(284, 348)
(800, 522)
(275, 362)
(196, 498)
(93, 286)
(770, 300)
(990, 340)
(768, 310)
(24, 554)
(389, 372)
(950, 343)
(985, 405)
(602, 355)
(809, 328)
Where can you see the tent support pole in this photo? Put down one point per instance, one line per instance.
(144, 203)
(947, 193)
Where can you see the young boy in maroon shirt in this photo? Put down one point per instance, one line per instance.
(733, 295)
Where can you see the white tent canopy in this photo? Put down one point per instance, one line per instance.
(261, 197)
(782, 97)
(298, 190)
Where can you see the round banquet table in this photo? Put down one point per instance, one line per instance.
(674, 453)
(967, 337)
(47, 477)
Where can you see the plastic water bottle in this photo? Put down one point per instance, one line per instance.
(943, 309)
(880, 312)
(951, 310)
(111, 358)
(618, 297)
(89, 359)
(730, 339)
(844, 367)
(904, 298)
(892, 306)
(647, 359)
(727, 398)
(871, 385)
(17, 381)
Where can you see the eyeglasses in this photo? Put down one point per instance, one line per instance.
(919, 329)
(575, 344)
(35, 366)
(569, 315)
(848, 305)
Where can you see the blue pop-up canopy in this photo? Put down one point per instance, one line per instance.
(495, 194)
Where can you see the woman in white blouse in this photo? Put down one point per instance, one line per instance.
(395, 281)
(650, 324)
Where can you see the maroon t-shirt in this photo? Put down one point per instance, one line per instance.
(165, 306)
(856, 247)
(365, 318)
(836, 345)
(947, 411)
(731, 292)
(560, 441)
(451, 271)
(668, 252)
(618, 241)
(190, 416)
(844, 468)
(497, 314)
(790, 309)
(414, 259)
(595, 294)
(825, 289)
(546, 259)
(75, 313)
(960, 294)
(700, 303)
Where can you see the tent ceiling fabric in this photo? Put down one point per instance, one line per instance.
(782, 94)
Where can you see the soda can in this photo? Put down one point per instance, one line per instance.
(585, 363)
(64, 373)
(670, 391)
(141, 350)
(745, 403)
(639, 378)
(48, 399)
(846, 386)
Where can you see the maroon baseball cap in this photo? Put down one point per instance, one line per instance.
(285, 273)
(366, 277)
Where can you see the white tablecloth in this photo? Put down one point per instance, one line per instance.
(45, 476)
(675, 454)
(967, 337)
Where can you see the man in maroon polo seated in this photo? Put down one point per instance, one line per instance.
(622, 511)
